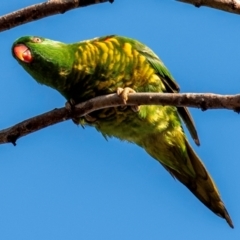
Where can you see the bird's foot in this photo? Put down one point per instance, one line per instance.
(70, 105)
(90, 119)
(123, 93)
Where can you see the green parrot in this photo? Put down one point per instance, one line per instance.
(110, 64)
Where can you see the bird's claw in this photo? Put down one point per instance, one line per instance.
(90, 119)
(123, 93)
(70, 104)
(135, 108)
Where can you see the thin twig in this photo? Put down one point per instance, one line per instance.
(201, 100)
(232, 6)
(42, 10)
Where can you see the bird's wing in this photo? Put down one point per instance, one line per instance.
(171, 87)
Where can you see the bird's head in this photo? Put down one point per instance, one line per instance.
(47, 61)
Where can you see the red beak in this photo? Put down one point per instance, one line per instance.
(22, 53)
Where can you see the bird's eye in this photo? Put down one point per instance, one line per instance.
(36, 40)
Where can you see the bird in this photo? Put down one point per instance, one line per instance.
(115, 64)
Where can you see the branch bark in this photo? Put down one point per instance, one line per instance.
(203, 101)
(42, 10)
(51, 7)
(232, 6)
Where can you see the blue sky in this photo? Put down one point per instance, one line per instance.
(65, 182)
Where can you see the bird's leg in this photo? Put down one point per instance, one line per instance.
(70, 104)
(123, 93)
(90, 119)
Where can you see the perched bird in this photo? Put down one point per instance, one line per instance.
(86, 69)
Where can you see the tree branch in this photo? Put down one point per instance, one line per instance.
(232, 6)
(42, 10)
(203, 101)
